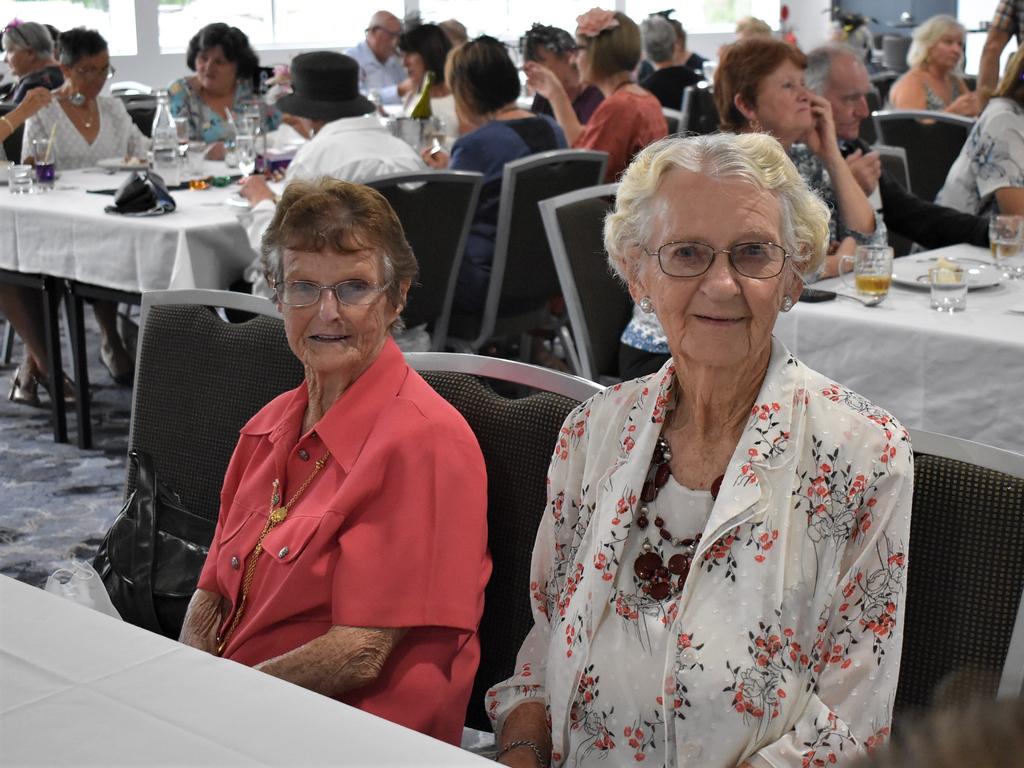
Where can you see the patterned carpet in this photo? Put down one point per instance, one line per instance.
(58, 500)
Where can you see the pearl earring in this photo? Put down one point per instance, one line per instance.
(646, 305)
(787, 304)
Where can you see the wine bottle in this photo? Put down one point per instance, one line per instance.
(422, 111)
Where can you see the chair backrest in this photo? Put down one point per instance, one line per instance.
(142, 112)
(598, 304)
(523, 276)
(700, 115)
(894, 162)
(516, 437)
(198, 380)
(673, 119)
(12, 144)
(882, 82)
(963, 632)
(867, 125)
(436, 209)
(894, 52)
(932, 141)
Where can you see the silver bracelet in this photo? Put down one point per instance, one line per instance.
(523, 743)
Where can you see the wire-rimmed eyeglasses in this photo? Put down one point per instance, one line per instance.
(687, 259)
(305, 293)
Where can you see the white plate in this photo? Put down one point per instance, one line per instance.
(120, 164)
(911, 272)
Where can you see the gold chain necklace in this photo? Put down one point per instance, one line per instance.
(277, 514)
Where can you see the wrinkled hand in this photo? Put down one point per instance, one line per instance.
(821, 138)
(866, 169)
(540, 79)
(967, 104)
(35, 100)
(215, 151)
(436, 160)
(255, 189)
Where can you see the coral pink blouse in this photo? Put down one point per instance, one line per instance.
(391, 533)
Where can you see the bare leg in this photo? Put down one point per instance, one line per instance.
(24, 308)
(114, 355)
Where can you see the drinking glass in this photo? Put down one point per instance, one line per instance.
(245, 146)
(44, 152)
(195, 168)
(948, 289)
(872, 271)
(1006, 239)
(708, 68)
(20, 179)
(181, 127)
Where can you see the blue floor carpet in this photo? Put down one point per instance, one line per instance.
(57, 501)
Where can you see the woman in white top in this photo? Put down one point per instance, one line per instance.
(86, 128)
(719, 576)
(424, 49)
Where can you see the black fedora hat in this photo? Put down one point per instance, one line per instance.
(325, 86)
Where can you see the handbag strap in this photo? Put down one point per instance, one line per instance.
(144, 551)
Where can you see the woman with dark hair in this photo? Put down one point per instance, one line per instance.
(424, 48)
(86, 128)
(629, 118)
(28, 53)
(555, 49)
(225, 67)
(495, 131)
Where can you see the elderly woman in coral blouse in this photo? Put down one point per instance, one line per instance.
(719, 578)
(350, 556)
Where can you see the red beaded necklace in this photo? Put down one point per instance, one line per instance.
(657, 578)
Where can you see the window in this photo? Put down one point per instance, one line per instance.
(506, 19)
(708, 15)
(272, 23)
(114, 19)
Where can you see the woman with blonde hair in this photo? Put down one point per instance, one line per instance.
(719, 577)
(934, 81)
(988, 175)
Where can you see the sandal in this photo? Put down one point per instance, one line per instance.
(24, 392)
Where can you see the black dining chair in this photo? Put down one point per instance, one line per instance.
(932, 141)
(700, 115)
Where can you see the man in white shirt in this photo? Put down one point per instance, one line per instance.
(348, 141)
(381, 69)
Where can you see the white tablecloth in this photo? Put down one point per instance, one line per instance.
(955, 374)
(80, 688)
(65, 233)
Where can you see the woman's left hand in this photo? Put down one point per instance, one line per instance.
(821, 138)
(255, 189)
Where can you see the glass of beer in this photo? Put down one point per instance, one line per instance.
(872, 271)
(1006, 239)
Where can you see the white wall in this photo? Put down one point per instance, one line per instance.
(808, 18)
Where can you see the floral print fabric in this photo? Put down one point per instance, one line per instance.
(785, 642)
(992, 158)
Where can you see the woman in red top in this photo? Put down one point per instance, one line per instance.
(630, 117)
(350, 556)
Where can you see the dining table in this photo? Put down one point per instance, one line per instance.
(67, 233)
(952, 373)
(78, 687)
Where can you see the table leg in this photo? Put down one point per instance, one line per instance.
(80, 356)
(51, 320)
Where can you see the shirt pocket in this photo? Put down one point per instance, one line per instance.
(286, 542)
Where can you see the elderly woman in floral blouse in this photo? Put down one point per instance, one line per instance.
(719, 578)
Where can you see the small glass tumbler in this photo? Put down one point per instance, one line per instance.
(948, 289)
(195, 158)
(20, 179)
(44, 153)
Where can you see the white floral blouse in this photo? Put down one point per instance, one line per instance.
(788, 630)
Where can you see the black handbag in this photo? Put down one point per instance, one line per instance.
(151, 557)
(143, 193)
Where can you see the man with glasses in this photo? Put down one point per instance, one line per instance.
(380, 69)
(837, 72)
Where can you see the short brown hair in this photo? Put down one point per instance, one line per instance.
(614, 50)
(742, 68)
(329, 214)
